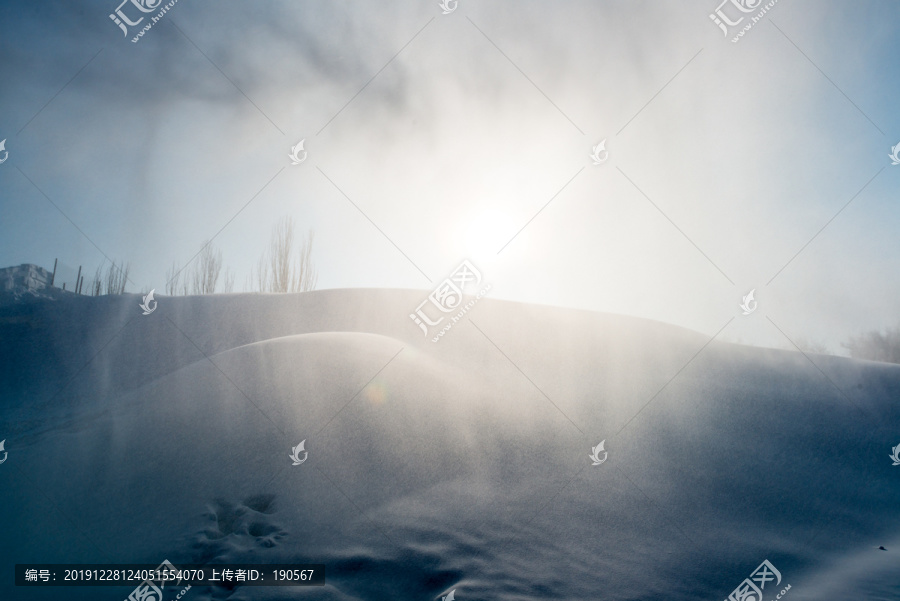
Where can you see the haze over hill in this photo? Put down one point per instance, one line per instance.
(667, 217)
(458, 465)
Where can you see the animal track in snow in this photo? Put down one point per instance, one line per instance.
(238, 529)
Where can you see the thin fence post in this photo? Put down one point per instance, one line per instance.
(77, 278)
(53, 277)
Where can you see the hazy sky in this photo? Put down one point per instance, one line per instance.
(725, 159)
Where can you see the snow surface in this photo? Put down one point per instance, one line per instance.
(457, 465)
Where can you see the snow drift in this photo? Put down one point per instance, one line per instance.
(458, 465)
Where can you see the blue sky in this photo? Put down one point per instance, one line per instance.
(433, 138)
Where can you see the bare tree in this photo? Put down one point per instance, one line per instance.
(112, 281)
(173, 277)
(306, 271)
(228, 282)
(280, 259)
(876, 346)
(116, 278)
(261, 275)
(206, 271)
(201, 276)
(97, 284)
(279, 270)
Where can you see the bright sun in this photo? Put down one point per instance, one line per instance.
(485, 233)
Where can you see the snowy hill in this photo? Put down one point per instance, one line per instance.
(457, 465)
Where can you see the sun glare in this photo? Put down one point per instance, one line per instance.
(486, 233)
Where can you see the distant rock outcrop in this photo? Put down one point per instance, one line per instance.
(24, 277)
(26, 280)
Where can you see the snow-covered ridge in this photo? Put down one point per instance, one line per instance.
(460, 466)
